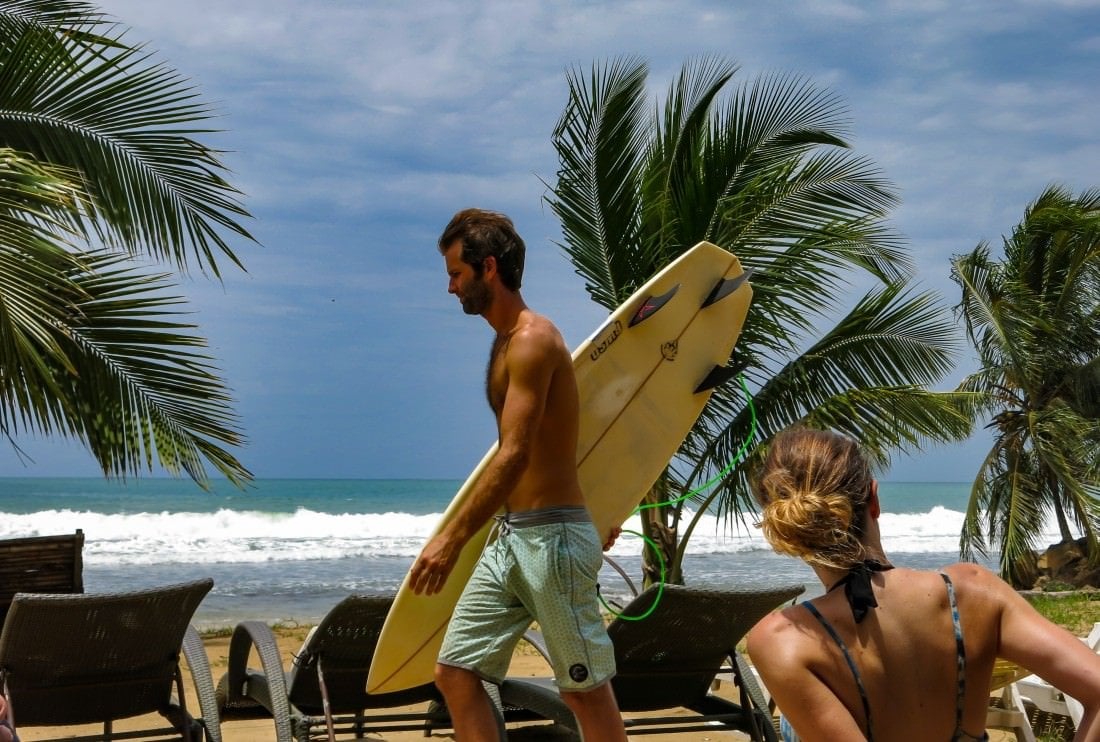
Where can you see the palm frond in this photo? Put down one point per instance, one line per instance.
(142, 391)
(36, 295)
(127, 125)
(599, 140)
(1064, 446)
(53, 19)
(863, 377)
(672, 162)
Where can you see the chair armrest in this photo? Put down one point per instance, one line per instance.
(195, 654)
(622, 573)
(257, 634)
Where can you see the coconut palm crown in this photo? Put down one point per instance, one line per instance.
(1033, 318)
(760, 168)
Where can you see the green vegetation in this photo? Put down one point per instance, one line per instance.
(1076, 612)
(1032, 319)
(100, 171)
(220, 632)
(761, 169)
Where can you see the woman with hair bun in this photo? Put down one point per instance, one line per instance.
(888, 654)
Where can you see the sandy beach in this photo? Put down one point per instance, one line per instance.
(525, 663)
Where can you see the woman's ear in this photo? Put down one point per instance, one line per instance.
(874, 508)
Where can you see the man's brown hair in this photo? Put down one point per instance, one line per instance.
(487, 233)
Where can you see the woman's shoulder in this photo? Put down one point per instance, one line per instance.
(779, 633)
(971, 576)
(982, 595)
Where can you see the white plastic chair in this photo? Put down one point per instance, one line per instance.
(1048, 698)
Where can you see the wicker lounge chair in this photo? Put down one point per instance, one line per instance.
(40, 564)
(98, 658)
(329, 673)
(671, 659)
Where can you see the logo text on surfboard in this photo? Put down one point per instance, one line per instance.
(604, 339)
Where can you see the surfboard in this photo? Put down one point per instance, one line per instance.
(644, 376)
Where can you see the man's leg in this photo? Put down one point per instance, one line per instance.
(597, 713)
(469, 705)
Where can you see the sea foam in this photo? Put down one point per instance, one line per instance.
(242, 536)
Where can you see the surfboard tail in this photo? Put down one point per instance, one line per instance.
(725, 287)
(651, 305)
(718, 375)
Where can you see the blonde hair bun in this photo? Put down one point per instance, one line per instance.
(814, 489)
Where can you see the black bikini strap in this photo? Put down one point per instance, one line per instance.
(851, 664)
(857, 587)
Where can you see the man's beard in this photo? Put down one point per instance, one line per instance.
(477, 298)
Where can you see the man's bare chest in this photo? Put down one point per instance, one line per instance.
(496, 374)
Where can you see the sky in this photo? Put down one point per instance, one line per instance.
(356, 128)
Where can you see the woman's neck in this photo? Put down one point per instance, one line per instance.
(830, 576)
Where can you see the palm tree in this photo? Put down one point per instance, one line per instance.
(1034, 320)
(99, 169)
(763, 171)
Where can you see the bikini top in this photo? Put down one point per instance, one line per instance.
(857, 588)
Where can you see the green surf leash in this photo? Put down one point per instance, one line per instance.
(737, 459)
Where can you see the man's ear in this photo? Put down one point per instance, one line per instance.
(489, 266)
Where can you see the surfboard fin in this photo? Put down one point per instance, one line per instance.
(725, 287)
(717, 376)
(651, 304)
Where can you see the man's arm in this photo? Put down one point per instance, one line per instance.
(530, 368)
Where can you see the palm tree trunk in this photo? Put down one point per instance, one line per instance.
(659, 524)
(1056, 500)
(1063, 522)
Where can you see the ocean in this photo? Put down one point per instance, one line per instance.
(287, 550)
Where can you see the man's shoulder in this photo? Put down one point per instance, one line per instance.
(537, 334)
(540, 323)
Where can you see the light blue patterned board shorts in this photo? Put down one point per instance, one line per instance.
(541, 567)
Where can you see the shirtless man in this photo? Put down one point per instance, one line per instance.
(543, 565)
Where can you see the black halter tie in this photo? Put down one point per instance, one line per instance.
(857, 587)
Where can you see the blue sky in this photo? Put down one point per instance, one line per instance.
(356, 128)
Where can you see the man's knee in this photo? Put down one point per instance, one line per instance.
(598, 698)
(597, 712)
(450, 679)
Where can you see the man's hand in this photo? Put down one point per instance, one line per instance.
(616, 531)
(433, 566)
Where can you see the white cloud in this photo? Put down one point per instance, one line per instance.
(357, 128)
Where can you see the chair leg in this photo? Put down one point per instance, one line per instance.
(1013, 716)
(329, 725)
(493, 691)
(756, 706)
